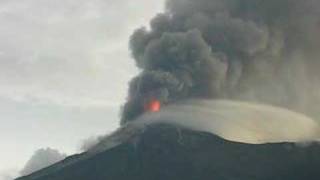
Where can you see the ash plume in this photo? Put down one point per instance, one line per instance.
(253, 50)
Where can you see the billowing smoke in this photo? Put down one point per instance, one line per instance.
(252, 50)
(42, 158)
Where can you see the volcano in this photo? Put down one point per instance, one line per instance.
(252, 50)
(168, 152)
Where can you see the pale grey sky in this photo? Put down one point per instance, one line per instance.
(64, 68)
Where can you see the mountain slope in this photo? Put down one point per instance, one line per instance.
(167, 152)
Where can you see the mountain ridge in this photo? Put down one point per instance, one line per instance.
(167, 152)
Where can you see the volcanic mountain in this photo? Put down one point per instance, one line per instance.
(201, 139)
(168, 152)
(262, 51)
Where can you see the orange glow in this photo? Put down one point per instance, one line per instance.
(154, 106)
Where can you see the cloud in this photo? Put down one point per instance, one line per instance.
(42, 158)
(63, 64)
(236, 121)
(239, 121)
(69, 52)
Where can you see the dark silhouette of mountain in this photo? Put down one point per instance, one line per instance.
(165, 152)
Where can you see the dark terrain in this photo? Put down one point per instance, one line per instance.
(164, 152)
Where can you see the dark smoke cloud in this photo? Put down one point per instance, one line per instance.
(42, 158)
(253, 50)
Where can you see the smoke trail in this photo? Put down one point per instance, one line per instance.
(253, 50)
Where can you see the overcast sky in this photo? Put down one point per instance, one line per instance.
(64, 68)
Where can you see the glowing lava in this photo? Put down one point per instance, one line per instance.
(154, 106)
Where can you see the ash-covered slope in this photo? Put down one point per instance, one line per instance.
(167, 152)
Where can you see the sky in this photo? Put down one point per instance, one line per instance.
(64, 72)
